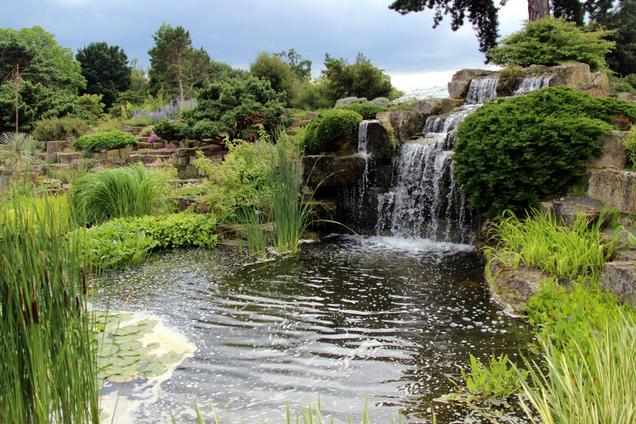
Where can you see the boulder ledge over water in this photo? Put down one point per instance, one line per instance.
(408, 120)
(458, 87)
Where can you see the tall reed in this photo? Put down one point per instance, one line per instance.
(290, 215)
(119, 192)
(48, 366)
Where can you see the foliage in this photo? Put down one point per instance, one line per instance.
(172, 130)
(622, 21)
(153, 109)
(240, 181)
(118, 192)
(512, 153)
(17, 151)
(630, 146)
(552, 42)
(368, 110)
(311, 96)
(301, 67)
(589, 363)
(240, 106)
(279, 74)
(175, 66)
(496, 379)
(89, 107)
(66, 128)
(360, 79)
(126, 241)
(328, 127)
(206, 129)
(49, 365)
(105, 69)
(103, 140)
(252, 222)
(540, 242)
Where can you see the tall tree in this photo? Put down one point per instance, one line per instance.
(275, 70)
(175, 65)
(622, 20)
(14, 58)
(359, 79)
(106, 70)
(300, 66)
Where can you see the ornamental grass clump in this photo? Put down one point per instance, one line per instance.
(48, 368)
(119, 192)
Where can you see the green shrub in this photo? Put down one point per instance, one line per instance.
(103, 140)
(66, 128)
(206, 129)
(550, 42)
(368, 110)
(311, 96)
(328, 127)
(512, 153)
(117, 192)
(172, 130)
(127, 241)
(88, 107)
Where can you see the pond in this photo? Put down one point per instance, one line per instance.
(383, 320)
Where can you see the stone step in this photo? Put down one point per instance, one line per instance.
(134, 129)
(147, 158)
(69, 157)
(57, 146)
(153, 145)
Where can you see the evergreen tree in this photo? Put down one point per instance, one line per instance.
(106, 70)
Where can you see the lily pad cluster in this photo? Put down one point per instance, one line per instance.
(124, 352)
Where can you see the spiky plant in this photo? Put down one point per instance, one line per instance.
(17, 151)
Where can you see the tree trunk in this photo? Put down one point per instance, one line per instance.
(17, 99)
(538, 9)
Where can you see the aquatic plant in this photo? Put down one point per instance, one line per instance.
(48, 367)
(495, 379)
(252, 221)
(558, 250)
(119, 192)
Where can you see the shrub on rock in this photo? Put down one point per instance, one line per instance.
(103, 140)
(329, 127)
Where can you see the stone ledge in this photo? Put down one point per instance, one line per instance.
(620, 279)
(615, 188)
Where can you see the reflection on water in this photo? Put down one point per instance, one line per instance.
(348, 320)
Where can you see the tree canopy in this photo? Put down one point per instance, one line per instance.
(359, 79)
(106, 70)
(279, 74)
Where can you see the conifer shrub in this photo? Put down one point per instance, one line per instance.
(329, 127)
(65, 128)
(368, 110)
(512, 153)
(103, 140)
(172, 130)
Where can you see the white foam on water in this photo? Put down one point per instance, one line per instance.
(410, 245)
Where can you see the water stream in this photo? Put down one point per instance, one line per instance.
(386, 319)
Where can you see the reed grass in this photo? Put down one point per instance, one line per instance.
(540, 242)
(113, 193)
(591, 384)
(253, 222)
(47, 349)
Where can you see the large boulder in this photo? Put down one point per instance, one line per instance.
(458, 86)
(613, 154)
(616, 188)
(619, 277)
(512, 287)
(333, 170)
(578, 75)
(408, 120)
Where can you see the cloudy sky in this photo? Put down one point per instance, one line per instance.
(235, 31)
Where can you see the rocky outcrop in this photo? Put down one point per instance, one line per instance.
(615, 188)
(619, 277)
(458, 86)
(408, 120)
(332, 170)
(183, 158)
(613, 154)
(512, 287)
(567, 209)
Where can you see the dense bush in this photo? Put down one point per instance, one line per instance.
(206, 129)
(328, 127)
(240, 105)
(368, 110)
(114, 193)
(126, 241)
(88, 107)
(278, 72)
(512, 153)
(103, 140)
(552, 42)
(630, 146)
(66, 128)
(311, 96)
(172, 130)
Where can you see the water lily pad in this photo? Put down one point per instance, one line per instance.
(170, 358)
(154, 370)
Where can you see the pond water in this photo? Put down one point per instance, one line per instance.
(384, 320)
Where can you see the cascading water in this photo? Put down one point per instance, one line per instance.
(533, 83)
(482, 90)
(425, 200)
(362, 150)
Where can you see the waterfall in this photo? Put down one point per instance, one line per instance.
(482, 90)
(424, 200)
(533, 83)
(362, 150)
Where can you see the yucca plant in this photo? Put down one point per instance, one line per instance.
(17, 151)
(119, 192)
(48, 367)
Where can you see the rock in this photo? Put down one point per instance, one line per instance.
(56, 146)
(346, 101)
(613, 154)
(69, 157)
(113, 155)
(381, 101)
(407, 122)
(568, 208)
(378, 142)
(578, 75)
(511, 288)
(333, 170)
(620, 279)
(615, 188)
(458, 87)
(624, 96)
